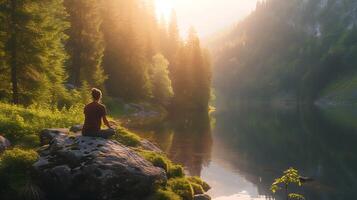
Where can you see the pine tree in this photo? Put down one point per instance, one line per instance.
(33, 34)
(86, 45)
(124, 58)
(173, 37)
(201, 73)
(161, 83)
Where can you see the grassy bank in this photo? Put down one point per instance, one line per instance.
(21, 126)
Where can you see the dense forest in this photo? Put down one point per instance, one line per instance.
(52, 51)
(286, 49)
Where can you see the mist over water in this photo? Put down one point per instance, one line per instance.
(249, 146)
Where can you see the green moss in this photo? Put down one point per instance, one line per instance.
(182, 187)
(175, 171)
(158, 160)
(165, 195)
(199, 181)
(126, 137)
(197, 189)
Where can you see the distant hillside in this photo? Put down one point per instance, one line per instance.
(285, 48)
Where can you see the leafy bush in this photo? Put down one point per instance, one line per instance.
(15, 174)
(126, 137)
(182, 187)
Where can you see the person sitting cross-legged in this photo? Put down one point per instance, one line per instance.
(94, 113)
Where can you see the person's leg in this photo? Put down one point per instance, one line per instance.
(106, 133)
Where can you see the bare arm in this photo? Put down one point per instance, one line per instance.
(106, 122)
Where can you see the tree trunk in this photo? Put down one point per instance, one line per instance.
(13, 53)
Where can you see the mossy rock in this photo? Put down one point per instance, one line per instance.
(182, 187)
(126, 137)
(175, 171)
(165, 195)
(199, 181)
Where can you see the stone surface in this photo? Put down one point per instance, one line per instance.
(147, 145)
(47, 135)
(94, 168)
(201, 197)
(76, 128)
(4, 144)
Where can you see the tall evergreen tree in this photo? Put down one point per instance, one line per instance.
(124, 57)
(173, 37)
(86, 45)
(33, 34)
(161, 83)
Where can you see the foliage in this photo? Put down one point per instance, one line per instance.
(161, 83)
(22, 124)
(15, 174)
(33, 34)
(85, 45)
(290, 176)
(286, 48)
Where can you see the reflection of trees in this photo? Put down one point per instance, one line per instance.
(187, 140)
(266, 141)
(192, 142)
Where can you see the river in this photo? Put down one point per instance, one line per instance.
(240, 151)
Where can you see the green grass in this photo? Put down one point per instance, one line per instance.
(21, 125)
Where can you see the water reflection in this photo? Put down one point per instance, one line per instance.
(187, 140)
(251, 145)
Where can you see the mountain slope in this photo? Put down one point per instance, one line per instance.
(287, 48)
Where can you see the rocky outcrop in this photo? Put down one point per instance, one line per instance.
(4, 144)
(47, 135)
(81, 167)
(202, 197)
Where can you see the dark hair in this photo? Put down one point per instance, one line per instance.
(96, 94)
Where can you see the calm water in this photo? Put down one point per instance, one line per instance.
(248, 147)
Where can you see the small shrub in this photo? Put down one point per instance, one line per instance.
(165, 195)
(126, 137)
(15, 173)
(182, 187)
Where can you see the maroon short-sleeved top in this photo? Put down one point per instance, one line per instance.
(93, 112)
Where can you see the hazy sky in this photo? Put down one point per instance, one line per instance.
(207, 16)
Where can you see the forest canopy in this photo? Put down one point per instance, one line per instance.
(288, 49)
(52, 50)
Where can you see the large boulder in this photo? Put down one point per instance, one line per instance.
(4, 144)
(93, 168)
(47, 135)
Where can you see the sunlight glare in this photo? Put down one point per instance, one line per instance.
(164, 8)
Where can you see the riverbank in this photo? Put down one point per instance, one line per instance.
(20, 177)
